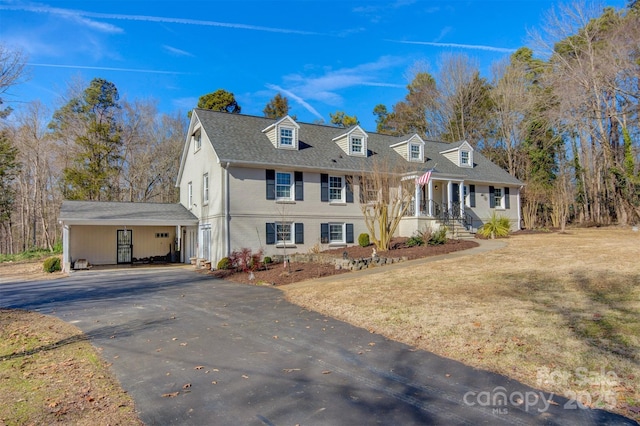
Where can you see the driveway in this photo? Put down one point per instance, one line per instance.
(242, 355)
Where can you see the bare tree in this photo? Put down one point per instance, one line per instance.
(385, 198)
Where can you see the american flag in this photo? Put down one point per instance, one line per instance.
(424, 179)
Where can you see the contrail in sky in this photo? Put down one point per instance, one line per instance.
(461, 46)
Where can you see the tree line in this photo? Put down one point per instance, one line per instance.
(565, 122)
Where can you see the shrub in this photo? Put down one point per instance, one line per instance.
(224, 263)
(51, 264)
(363, 240)
(438, 237)
(415, 240)
(496, 227)
(244, 260)
(267, 260)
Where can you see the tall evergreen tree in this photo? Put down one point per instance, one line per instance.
(277, 107)
(89, 122)
(220, 100)
(9, 168)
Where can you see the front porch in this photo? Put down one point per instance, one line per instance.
(439, 203)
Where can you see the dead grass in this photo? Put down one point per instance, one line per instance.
(560, 312)
(50, 374)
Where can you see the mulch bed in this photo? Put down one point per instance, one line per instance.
(279, 274)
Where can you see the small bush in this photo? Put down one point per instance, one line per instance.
(496, 227)
(438, 237)
(244, 260)
(363, 240)
(224, 263)
(267, 260)
(415, 240)
(51, 264)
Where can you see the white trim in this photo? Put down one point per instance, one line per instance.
(343, 231)
(343, 191)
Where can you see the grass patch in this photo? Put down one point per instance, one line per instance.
(548, 305)
(49, 373)
(34, 254)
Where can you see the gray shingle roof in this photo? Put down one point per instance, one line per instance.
(239, 138)
(107, 212)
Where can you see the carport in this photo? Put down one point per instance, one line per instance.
(110, 233)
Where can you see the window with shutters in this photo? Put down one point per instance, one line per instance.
(336, 189)
(284, 184)
(283, 233)
(497, 197)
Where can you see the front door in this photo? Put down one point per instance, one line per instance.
(125, 245)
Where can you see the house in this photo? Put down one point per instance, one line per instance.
(285, 187)
(111, 233)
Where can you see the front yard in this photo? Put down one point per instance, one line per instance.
(560, 312)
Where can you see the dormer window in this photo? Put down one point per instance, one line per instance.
(283, 133)
(464, 158)
(415, 152)
(356, 145)
(286, 136)
(411, 149)
(461, 155)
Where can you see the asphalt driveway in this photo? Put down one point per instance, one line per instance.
(193, 350)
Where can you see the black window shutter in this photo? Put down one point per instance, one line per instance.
(492, 199)
(271, 184)
(299, 233)
(324, 233)
(507, 204)
(348, 185)
(472, 195)
(271, 233)
(324, 187)
(299, 186)
(349, 233)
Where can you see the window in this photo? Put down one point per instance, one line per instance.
(414, 152)
(283, 186)
(205, 188)
(162, 235)
(464, 158)
(368, 191)
(190, 195)
(356, 145)
(497, 196)
(197, 140)
(465, 195)
(286, 136)
(283, 233)
(336, 233)
(336, 189)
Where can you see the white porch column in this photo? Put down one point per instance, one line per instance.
(449, 195)
(430, 198)
(461, 197)
(416, 201)
(66, 261)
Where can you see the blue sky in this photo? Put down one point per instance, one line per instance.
(323, 55)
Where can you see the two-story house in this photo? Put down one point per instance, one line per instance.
(285, 187)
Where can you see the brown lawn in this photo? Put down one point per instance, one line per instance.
(549, 309)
